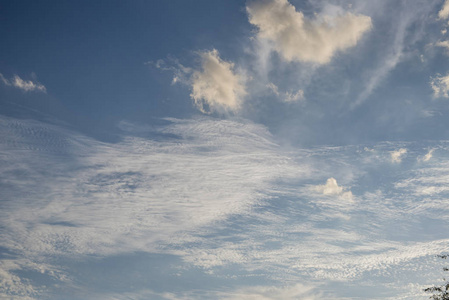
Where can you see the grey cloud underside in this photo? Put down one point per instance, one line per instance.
(221, 196)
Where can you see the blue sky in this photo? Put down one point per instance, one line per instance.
(260, 149)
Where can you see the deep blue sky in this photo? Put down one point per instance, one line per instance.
(260, 149)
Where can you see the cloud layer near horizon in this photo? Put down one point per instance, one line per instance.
(215, 193)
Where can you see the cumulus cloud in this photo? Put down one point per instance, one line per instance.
(216, 87)
(298, 38)
(440, 86)
(444, 12)
(332, 188)
(24, 85)
(398, 155)
(444, 44)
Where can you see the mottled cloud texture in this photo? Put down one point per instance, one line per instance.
(440, 86)
(298, 38)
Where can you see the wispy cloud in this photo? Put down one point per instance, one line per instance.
(428, 155)
(297, 38)
(27, 86)
(217, 194)
(287, 96)
(298, 291)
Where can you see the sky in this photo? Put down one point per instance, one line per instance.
(234, 150)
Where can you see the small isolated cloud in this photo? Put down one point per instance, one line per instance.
(428, 156)
(332, 188)
(180, 73)
(297, 38)
(444, 44)
(287, 96)
(398, 155)
(216, 87)
(440, 86)
(444, 12)
(27, 86)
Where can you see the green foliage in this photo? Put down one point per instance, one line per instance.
(440, 292)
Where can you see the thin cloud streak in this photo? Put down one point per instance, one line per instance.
(26, 86)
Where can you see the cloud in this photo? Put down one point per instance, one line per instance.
(27, 86)
(298, 291)
(180, 72)
(444, 44)
(444, 12)
(213, 170)
(297, 38)
(397, 155)
(332, 188)
(287, 96)
(428, 156)
(216, 87)
(219, 195)
(440, 86)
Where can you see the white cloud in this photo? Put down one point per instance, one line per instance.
(332, 188)
(297, 38)
(298, 291)
(397, 155)
(180, 72)
(24, 85)
(287, 96)
(158, 189)
(428, 156)
(440, 86)
(213, 193)
(217, 87)
(4, 80)
(444, 12)
(444, 44)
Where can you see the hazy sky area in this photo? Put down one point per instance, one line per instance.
(223, 149)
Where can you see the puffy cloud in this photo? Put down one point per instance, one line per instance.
(397, 155)
(24, 85)
(444, 12)
(297, 38)
(217, 87)
(444, 44)
(440, 86)
(332, 188)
